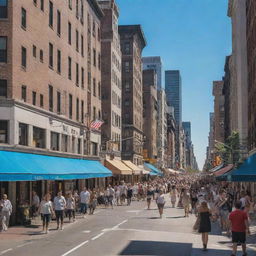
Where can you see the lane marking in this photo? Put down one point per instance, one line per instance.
(86, 231)
(5, 251)
(22, 245)
(75, 248)
(98, 236)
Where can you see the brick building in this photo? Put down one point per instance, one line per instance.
(111, 79)
(50, 79)
(150, 115)
(251, 53)
(132, 43)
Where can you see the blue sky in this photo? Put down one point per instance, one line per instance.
(193, 36)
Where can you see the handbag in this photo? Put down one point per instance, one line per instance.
(197, 224)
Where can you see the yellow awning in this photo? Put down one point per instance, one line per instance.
(117, 167)
(131, 165)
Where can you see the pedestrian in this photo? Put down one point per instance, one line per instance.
(84, 201)
(92, 202)
(111, 195)
(71, 204)
(6, 211)
(35, 204)
(160, 202)
(123, 192)
(59, 207)
(204, 215)
(129, 195)
(46, 211)
(173, 196)
(186, 202)
(239, 227)
(150, 195)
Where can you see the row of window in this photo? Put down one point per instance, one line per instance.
(116, 100)
(116, 120)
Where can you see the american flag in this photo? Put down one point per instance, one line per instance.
(96, 124)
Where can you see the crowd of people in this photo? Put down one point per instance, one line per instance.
(232, 205)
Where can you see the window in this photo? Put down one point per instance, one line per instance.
(3, 9)
(3, 48)
(93, 28)
(55, 141)
(127, 66)
(64, 143)
(94, 87)
(99, 114)
(23, 18)
(4, 131)
(127, 86)
(127, 48)
(58, 103)
(58, 22)
(70, 4)
(35, 2)
(77, 41)
(69, 33)
(69, 68)
(34, 51)
(24, 93)
(41, 56)
(94, 113)
(89, 81)
(3, 88)
(99, 90)
(82, 12)
(82, 45)
(70, 106)
(59, 61)
(99, 61)
(77, 109)
(23, 134)
(42, 5)
(50, 88)
(94, 57)
(50, 55)
(99, 35)
(23, 57)
(79, 146)
(77, 9)
(41, 100)
(34, 98)
(77, 74)
(82, 77)
(50, 14)
(94, 148)
(82, 111)
(38, 137)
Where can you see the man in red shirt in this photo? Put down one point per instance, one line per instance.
(239, 227)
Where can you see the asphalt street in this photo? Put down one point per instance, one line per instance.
(125, 230)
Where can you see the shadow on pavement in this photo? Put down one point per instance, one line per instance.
(176, 217)
(157, 248)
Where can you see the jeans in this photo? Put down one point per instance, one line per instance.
(83, 208)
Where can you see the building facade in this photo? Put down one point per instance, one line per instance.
(111, 79)
(173, 90)
(47, 84)
(154, 63)
(251, 53)
(150, 115)
(132, 43)
(238, 72)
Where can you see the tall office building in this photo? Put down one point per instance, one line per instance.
(132, 43)
(173, 87)
(154, 63)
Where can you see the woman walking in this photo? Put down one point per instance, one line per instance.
(204, 215)
(71, 204)
(160, 203)
(150, 195)
(46, 211)
(173, 195)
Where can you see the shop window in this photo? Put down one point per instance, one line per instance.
(64, 143)
(55, 141)
(38, 137)
(3, 88)
(3, 9)
(23, 134)
(3, 49)
(94, 148)
(4, 131)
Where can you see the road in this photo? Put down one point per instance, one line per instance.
(122, 231)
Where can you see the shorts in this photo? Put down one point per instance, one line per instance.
(46, 218)
(59, 214)
(224, 214)
(238, 237)
(160, 206)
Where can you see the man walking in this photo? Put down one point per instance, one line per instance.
(59, 207)
(239, 227)
(84, 201)
(6, 211)
(35, 204)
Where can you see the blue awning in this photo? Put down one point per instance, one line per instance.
(16, 166)
(246, 172)
(153, 170)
